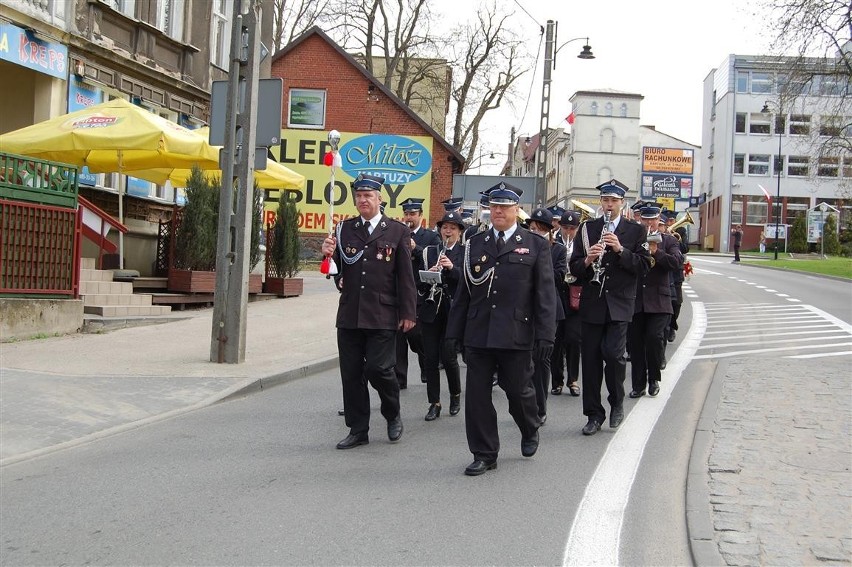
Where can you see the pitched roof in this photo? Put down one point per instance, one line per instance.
(374, 80)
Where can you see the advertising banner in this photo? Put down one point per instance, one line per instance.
(670, 186)
(678, 161)
(404, 161)
(23, 48)
(81, 96)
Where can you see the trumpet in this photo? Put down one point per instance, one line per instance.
(597, 265)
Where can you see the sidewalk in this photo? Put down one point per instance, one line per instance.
(769, 473)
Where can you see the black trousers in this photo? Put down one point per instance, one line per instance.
(414, 339)
(367, 355)
(571, 345)
(736, 253)
(647, 348)
(603, 359)
(557, 361)
(434, 351)
(514, 374)
(677, 301)
(541, 381)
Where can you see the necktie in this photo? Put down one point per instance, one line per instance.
(369, 226)
(501, 240)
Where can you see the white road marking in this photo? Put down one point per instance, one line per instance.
(821, 354)
(799, 340)
(762, 350)
(596, 532)
(794, 300)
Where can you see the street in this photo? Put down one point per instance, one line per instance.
(256, 480)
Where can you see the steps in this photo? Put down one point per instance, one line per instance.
(107, 298)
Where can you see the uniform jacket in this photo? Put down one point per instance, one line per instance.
(618, 292)
(653, 291)
(449, 278)
(559, 258)
(514, 306)
(378, 288)
(422, 238)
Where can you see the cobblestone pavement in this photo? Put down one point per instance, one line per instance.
(780, 466)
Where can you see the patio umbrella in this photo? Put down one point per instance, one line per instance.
(114, 136)
(275, 176)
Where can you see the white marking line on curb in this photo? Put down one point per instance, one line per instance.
(821, 355)
(762, 350)
(794, 300)
(596, 531)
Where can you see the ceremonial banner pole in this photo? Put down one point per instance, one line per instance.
(332, 159)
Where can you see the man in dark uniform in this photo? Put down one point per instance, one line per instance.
(541, 223)
(502, 311)
(653, 307)
(609, 254)
(377, 297)
(412, 216)
(483, 220)
(556, 212)
(677, 299)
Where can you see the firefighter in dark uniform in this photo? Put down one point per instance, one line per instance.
(568, 335)
(483, 220)
(502, 312)
(653, 307)
(609, 254)
(541, 223)
(556, 211)
(377, 298)
(412, 211)
(433, 307)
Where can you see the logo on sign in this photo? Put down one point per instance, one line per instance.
(398, 159)
(93, 122)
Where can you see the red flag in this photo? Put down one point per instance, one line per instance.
(765, 192)
(570, 118)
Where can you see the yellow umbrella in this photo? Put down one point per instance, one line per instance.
(275, 176)
(113, 136)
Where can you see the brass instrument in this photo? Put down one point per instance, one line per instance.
(586, 212)
(597, 265)
(684, 220)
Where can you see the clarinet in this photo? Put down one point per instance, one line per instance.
(597, 265)
(435, 290)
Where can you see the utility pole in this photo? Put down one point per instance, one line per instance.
(541, 159)
(236, 205)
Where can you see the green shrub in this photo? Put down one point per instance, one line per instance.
(195, 237)
(286, 246)
(799, 236)
(830, 243)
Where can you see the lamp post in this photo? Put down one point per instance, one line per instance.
(779, 166)
(549, 65)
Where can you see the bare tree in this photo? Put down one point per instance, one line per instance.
(292, 17)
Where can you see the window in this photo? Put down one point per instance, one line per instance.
(126, 7)
(830, 85)
(758, 123)
(220, 33)
(756, 212)
(739, 164)
(830, 126)
(608, 109)
(170, 18)
(742, 81)
(624, 110)
(828, 167)
(758, 164)
(761, 82)
(800, 124)
(593, 109)
(740, 123)
(736, 210)
(798, 166)
(777, 164)
(846, 170)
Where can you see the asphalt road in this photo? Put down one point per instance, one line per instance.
(257, 481)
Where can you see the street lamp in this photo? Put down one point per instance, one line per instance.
(779, 127)
(549, 65)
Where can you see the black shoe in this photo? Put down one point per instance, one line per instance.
(653, 388)
(434, 412)
(556, 390)
(341, 412)
(635, 394)
(542, 419)
(423, 378)
(353, 440)
(592, 427)
(395, 428)
(670, 335)
(616, 416)
(529, 446)
(478, 467)
(663, 363)
(455, 404)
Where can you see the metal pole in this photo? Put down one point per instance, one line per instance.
(541, 162)
(778, 190)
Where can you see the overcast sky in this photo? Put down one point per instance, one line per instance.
(661, 50)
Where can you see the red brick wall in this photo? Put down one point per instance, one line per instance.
(314, 64)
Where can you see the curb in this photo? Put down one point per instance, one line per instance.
(699, 521)
(248, 386)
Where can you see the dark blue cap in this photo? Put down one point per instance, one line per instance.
(638, 205)
(556, 211)
(454, 218)
(452, 204)
(543, 216)
(466, 215)
(649, 211)
(504, 194)
(612, 188)
(365, 182)
(412, 205)
(570, 218)
(483, 200)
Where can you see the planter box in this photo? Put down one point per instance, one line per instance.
(255, 283)
(192, 281)
(285, 287)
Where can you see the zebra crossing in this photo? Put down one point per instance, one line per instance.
(793, 330)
